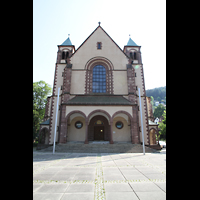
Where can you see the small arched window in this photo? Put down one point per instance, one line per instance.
(67, 54)
(63, 55)
(134, 56)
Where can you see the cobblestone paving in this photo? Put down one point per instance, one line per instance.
(99, 176)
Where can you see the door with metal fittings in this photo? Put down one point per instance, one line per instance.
(98, 132)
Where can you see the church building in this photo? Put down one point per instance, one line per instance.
(98, 98)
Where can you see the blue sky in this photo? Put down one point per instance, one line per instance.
(145, 20)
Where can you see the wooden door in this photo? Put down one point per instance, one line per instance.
(98, 132)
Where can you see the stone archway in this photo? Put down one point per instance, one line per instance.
(64, 125)
(44, 136)
(152, 136)
(134, 133)
(99, 129)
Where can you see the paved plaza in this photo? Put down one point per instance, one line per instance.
(89, 176)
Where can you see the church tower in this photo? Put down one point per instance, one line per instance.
(135, 80)
(62, 78)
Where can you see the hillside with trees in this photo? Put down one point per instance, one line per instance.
(157, 93)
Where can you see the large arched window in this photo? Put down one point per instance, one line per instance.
(99, 79)
(99, 76)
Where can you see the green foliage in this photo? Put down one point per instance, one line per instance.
(157, 93)
(152, 101)
(40, 92)
(162, 126)
(159, 111)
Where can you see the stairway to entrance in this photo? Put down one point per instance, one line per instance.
(100, 147)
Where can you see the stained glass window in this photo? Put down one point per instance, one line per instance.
(99, 79)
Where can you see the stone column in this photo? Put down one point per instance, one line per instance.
(86, 131)
(134, 127)
(131, 127)
(63, 126)
(111, 132)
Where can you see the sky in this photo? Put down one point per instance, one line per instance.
(144, 20)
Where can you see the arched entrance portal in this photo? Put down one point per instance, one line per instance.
(99, 129)
(152, 135)
(44, 136)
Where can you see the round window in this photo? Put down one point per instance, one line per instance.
(78, 124)
(119, 125)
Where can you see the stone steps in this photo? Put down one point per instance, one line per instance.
(100, 148)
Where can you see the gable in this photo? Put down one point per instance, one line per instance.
(89, 49)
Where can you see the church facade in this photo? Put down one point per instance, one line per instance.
(98, 98)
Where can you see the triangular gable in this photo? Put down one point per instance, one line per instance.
(106, 34)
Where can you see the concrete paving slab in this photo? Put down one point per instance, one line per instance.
(89, 165)
(135, 164)
(40, 164)
(44, 177)
(36, 186)
(78, 196)
(70, 169)
(49, 171)
(131, 172)
(53, 188)
(90, 177)
(121, 195)
(108, 163)
(144, 187)
(156, 176)
(117, 187)
(161, 185)
(62, 177)
(150, 171)
(136, 177)
(111, 170)
(127, 168)
(114, 177)
(151, 195)
(60, 164)
(90, 161)
(86, 171)
(66, 173)
(49, 196)
(80, 188)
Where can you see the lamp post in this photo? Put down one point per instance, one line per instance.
(141, 121)
(56, 122)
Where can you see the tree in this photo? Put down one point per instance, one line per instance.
(159, 111)
(152, 101)
(162, 126)
(40, 92)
